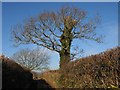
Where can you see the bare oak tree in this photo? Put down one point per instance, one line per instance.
(56, 31)
(35, 59)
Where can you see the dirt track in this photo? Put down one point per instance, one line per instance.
(43, 84)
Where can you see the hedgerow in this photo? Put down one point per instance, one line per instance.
(96, 71)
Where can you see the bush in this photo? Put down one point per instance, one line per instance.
(96, 71)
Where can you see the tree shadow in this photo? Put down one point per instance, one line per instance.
(43, 84)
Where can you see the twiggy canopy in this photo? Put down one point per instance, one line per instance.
(56, 30)
(32, 59)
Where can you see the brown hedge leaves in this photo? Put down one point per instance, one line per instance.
(96, 71)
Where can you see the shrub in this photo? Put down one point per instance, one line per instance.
(96, 71)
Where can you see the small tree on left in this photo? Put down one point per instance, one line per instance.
(33, 59)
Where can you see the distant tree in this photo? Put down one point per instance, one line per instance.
(35, 59)
(56, 31)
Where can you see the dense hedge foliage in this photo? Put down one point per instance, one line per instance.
(15, 76)
(96, 71)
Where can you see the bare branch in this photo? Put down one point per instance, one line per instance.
(35, 59)
(56, 30)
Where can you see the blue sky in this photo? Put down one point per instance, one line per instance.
(14, 13)
(60, 0)
(0, 28)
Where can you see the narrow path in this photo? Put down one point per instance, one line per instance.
(43, 84)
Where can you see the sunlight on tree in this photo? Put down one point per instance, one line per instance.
(56, 31)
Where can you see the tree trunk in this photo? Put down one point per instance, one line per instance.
(66, 39)
(64, 57)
